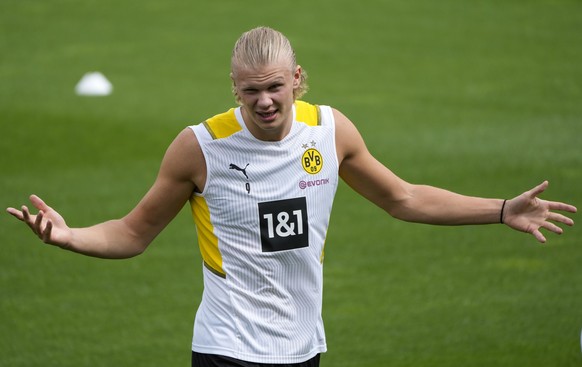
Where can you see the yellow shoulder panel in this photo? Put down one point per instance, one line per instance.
(307, 113)
(222, 125)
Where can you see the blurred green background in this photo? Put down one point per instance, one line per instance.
(480, 97)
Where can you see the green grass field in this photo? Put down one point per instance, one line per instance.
(481, 97)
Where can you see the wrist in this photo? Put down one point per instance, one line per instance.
(502, 212)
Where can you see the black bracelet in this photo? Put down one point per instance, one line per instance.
(501, 215)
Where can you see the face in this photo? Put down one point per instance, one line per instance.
(266, 96)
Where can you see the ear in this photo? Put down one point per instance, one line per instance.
(297, 76)
(233, 89)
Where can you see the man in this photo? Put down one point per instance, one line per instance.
(261, 180)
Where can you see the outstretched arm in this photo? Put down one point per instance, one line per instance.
(129, 236)
(432, 205)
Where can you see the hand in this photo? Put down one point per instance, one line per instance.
(48, 225)
(528, 213)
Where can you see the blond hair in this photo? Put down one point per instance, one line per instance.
(262, 46)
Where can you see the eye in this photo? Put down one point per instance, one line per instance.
(275, 87)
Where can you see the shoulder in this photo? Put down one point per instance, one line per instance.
(185, 141)
(184, 159)
(184, 148)
(349, 141)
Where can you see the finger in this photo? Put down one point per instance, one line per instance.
(539, 236)
(538, 189)
(552, 227)
(46, 234)
(32, 221)
(36, 224)
(38, 203)
(15, 213)
(555, 205)
(25, 214)
(556, 217)
(38, 221)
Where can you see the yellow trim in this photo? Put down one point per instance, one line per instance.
(307, 113)
(222, 125)
(207, 240)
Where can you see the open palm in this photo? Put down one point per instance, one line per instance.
(47, 224)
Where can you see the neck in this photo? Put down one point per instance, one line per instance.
(274, 132)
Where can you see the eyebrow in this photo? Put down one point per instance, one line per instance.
(267, 84)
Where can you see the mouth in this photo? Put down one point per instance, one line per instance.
(267, 116)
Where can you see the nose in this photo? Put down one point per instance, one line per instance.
(264, 100)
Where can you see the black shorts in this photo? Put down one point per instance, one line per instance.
(212, 360)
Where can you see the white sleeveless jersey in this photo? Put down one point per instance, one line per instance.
(262, 221)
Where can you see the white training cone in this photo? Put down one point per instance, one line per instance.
(93, 84)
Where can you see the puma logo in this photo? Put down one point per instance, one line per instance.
(243, 170)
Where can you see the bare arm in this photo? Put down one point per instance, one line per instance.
(432, 205)
(182, 167)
